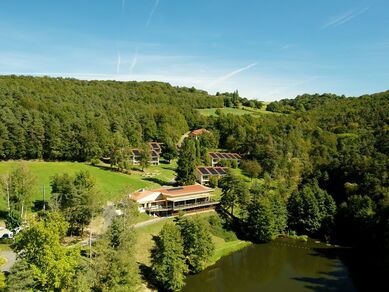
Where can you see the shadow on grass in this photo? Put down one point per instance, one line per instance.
(39, 205)
(105, 167)
(147, 275)
(3, 214)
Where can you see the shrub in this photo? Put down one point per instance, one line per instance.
(95, 161)
(13, 219)
(214, 181)
(219, 228)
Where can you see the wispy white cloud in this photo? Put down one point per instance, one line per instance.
(345, 17)
(156, 4)
(118, 63)
(230, 75)
(287, 47)
(134, 61)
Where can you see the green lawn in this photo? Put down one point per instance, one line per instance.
(145, 242)
(112, 185)
(234, 111)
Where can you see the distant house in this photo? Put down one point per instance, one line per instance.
(204, 173)
(217, 157)
(155, 151)
(165, 201)
(156, 146)
(198, 132)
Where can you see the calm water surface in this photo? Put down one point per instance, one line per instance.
(282, 265)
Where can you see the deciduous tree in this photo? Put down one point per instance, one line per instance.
(168, 260)
(198, 243)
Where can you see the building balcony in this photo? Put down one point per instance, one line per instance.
(180, 206)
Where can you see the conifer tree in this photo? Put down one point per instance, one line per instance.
(186, 163)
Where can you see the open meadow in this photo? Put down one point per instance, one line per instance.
(235, 111)
(112, 185)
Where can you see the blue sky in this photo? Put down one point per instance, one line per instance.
(266, 49)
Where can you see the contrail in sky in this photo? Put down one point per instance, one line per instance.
(231, 74)
(134, 61)
(152, 13)
(123, 5)
(345, 17)
(119, 61)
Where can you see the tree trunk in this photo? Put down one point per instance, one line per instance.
(8, 205)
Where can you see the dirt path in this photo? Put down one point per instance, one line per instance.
(183, 138)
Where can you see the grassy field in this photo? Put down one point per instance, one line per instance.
(234, 111)
(145, 242)
(112, 185)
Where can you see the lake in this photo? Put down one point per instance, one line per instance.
(282, 265)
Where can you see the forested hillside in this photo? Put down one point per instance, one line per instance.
(68, 119)
(325, 143)
(322, 165)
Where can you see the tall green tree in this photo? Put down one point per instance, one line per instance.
(186, 163)
(234, 192)
(260, 220)
(145, 156)
(53, 265)
(198, 243)
(17, 188)
(309, 207)
(114, 263)
(168, 260)
(76, 198)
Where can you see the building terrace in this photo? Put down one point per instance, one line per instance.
(166, 201)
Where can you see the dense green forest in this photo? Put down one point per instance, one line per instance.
(323, 162)
(67, 119)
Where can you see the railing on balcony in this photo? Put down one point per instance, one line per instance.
(158, 208)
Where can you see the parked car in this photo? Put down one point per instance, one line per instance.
(5, 233)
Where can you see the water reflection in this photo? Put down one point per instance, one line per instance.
(283, 265)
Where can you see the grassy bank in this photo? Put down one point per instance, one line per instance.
(145, 243)
(224, 248)
(111, 184)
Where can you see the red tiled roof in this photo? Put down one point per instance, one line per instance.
(172, 192)
(199, 132)
(140, 194)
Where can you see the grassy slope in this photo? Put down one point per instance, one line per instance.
(145, 243)
(112, 185)
(235, 111)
